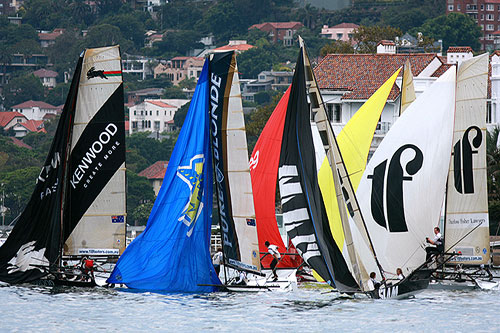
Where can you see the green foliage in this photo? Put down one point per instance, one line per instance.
(367, 37)
(180, 115)
(455, 29)
(337, 47)
(256, 60)
(45, 14)
(72, 43)
(130, 27)
(150, 149)
(106, 35)
(141, 213)
(57, 95)
(18, 185)
(174, 92)
(493, 172)
(178, 43)
(139, 191)
(23, 88)
(182, 14)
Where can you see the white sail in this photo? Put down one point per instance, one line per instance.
(402, 189)
(466, 225)
(101, 229)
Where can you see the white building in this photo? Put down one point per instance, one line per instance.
(154, 115)
(35, 110)
(138, 66)
(341, 31)
(47, 77)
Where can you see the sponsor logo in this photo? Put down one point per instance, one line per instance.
(215, 82)
(251, 222)
(242, 265)
(99, 251)
(118, 219)
(88, 166)
(44, 175)
(26, 257)
(254, 160)
(392, 184)
(192, 175)
(463, 171)
(92, 72)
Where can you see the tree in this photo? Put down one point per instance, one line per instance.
(130, 26)
(180, 115)
(493, 171)
(139, 191)
(106, 35)
(178, 42)
(72, 44)
(57, 95)
(23, 88)
(140, 214)
(46, 14)
(337, 47)
(105, 7)
(256, 60)
(455, 29)
(367, 37)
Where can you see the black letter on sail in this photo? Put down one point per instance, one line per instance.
(394, 194)
(462, 161)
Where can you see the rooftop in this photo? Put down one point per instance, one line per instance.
(155, 171)
(33, 104)
(6, 117)
(45, 73)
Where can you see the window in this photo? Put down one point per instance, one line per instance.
(134, 124)
(165, 124)
(482, 7)
(458, 6)
(170, 113)
(135, 113)
(488, 112)
(157, 112)
(157, 125)
(450, 8)
(490, 17)
(490, 27)
(337, 116)
(142, 113)
(329, 111)
(339, 36)
(150, 112)
(482, 16)
(490, 7)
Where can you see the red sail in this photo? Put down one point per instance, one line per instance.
(264, 172)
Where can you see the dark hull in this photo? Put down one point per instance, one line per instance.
(74, 283)
(411, 285)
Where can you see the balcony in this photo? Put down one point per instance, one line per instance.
(383, 128)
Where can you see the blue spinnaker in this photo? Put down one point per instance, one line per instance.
(172, 254)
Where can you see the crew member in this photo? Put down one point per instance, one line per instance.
(273, 250)
(437, 242)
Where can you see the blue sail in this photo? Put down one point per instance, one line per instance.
(172, 254)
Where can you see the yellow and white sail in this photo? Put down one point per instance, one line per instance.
(407, 88)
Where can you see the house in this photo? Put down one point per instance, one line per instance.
(279, 31)
(341, 31)
(239, 46)
(49, 38)
(47, 77)
(35, 110)
(346, 81)
(457, 54)
(138, 66)
(486, 13)
(138, 96)
(152, 36)
(7, 7)
(180, 68)
(154, 115)
(11, 118)
(30, 126)
(155, 173)
(266, 80)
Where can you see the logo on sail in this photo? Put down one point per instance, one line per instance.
(192, 175)
(26, 258)
(92, 72)
(463, 173)
(394, 198)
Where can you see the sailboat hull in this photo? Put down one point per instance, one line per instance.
(413, 284)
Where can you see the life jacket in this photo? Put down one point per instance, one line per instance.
(88, 264)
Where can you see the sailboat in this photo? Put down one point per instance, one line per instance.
(466, 225)
(78, 206)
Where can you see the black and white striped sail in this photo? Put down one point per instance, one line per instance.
(95, 214)
(467, 225)
(304, 213)
(230, 159)
(401, 191)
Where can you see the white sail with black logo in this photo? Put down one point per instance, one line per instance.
(466, 224)
(96, 192)
(401, 192)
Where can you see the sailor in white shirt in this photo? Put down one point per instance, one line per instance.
(273, 250)
(437, 242)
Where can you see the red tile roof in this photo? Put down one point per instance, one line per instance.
(6, 117)
(345, 25)
(160, 104)
(50, 35)
(440, 71)
(386, 42)
(45, 73)
(278, 25)
(19, 143)
(155, 171)
(34, 126)
(459, 49)
(186, 58)
(239, 47)
(362, 74)
(31, 104)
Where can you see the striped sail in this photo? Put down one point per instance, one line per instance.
(466, 226)
(230, 156)
(95, 217)
(401, 192)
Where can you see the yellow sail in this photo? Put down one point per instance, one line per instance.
(407, 88)
(354, 142)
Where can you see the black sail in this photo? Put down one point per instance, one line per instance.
(37, 237)
(304, 212)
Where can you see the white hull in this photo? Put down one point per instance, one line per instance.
(287, 281)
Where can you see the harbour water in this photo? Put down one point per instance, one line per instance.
(50, 309)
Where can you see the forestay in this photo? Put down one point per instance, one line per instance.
(401, 192)
(467, 225)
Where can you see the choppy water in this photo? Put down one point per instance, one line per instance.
(49, 309)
